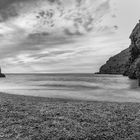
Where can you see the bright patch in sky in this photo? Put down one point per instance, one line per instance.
(63, 35)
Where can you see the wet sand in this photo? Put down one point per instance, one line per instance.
(39, 118)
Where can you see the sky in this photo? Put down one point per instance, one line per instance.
(63, 36)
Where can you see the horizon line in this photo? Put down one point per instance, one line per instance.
(55, 73)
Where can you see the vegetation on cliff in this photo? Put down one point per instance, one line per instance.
(116, 64)
(127, 61)
(132, 69)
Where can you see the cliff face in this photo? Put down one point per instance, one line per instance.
(132, 70)
(127, 61)
(116, 64)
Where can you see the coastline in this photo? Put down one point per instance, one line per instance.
(28, 117)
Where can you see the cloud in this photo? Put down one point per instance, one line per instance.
(55, 33)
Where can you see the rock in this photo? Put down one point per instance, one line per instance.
(126, 62)
(116, 64)
(1, 74)
(132, 70)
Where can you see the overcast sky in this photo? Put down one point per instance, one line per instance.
(63, 35)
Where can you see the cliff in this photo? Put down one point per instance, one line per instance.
(116, 64)
(132, 70)
(127, 61)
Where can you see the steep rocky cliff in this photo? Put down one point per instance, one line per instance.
(132, 70)
(116, 64)
(127, 61)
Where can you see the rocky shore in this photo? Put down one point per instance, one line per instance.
(127, 61)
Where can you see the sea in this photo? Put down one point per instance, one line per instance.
(89, 86)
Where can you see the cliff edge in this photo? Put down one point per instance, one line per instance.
(126, 62)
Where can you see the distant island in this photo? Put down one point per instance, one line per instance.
(126, 62)
(1, 74)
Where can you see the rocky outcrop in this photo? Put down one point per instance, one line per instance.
(127, 61)
(132, 70)
(1, 74)
(116, 64)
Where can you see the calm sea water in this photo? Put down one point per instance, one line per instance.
(75, 86)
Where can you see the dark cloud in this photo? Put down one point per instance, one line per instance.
(45, 17)
(10, 8)
(79, 2)
(116, 27)
(67, 31)
(38, 35)
(7, 13)
(6, 3)
(52, 1)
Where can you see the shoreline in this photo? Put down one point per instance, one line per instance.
(29, 118)
(64, 99)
